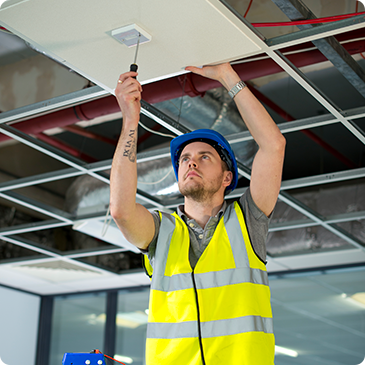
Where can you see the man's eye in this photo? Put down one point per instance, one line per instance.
(205, 157)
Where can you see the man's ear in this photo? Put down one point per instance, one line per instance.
(228, 176)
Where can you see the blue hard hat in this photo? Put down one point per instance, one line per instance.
(216, 140)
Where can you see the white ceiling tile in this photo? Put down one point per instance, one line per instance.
(78, 34)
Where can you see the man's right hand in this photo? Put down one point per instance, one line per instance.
(133, 219)
(128, 94)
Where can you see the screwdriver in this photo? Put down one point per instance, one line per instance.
(134, 66)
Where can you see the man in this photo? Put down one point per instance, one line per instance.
(209, 300)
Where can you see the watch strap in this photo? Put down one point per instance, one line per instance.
(236, 89)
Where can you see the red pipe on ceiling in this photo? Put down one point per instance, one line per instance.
(173, 87)
(63, 146)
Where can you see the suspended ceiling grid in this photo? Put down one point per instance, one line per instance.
(8, 190)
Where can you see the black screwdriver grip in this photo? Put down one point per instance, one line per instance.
(133, 68)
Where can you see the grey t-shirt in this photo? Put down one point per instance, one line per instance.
(256, 221)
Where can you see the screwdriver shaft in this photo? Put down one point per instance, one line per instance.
(135, 56)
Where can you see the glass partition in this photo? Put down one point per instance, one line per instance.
(131, 324)
(78, 324)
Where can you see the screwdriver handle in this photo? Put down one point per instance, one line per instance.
(133, 68)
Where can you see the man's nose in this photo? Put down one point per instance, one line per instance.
(192, 163)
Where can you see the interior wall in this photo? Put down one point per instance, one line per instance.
(19, 316)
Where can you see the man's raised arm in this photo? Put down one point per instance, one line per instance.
(134, 220)
(268, 162)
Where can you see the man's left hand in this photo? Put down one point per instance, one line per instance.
(223, 73)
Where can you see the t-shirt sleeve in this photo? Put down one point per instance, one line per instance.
(150, 252)
(257, 224)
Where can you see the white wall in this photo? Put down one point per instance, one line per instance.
(19, 315)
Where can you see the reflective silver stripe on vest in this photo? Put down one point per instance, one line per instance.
(172, 330)
(163, 244)
(224, 327)
(234, 233)
(210, 279)
(233, 326)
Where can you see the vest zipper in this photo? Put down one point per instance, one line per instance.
(198, 311)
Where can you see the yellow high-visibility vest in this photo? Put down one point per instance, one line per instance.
(217, 314)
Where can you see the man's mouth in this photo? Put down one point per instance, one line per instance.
(192, 173)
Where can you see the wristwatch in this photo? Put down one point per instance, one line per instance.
(236, 89)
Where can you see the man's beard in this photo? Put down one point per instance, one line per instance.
(200, 192)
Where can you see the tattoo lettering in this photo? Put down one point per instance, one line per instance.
(130, 149)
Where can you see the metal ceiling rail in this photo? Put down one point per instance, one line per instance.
(338, 231)
(50, 151)
(243, 170)
(324, 30)
(328, 46)
(149, 199)
(33, 261)
(28, 261)
(302, 124)
(304, 223)
(37, 206)
(100, 252)
(153, 155)
(343, 61)
(100, 165)
(288, 127)
(62, 215)
(54, 253)
(33, 227)
(30, 246)
(295, 224)
(169, 123)
(345, 217)
(50, 105)
(298, 76)
(355, 113)
(323, 179)
(40, 179)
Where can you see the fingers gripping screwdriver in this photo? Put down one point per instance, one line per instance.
(134, 66)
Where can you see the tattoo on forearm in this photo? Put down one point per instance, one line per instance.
(130, 149)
